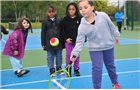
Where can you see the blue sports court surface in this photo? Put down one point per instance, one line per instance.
(34, 41)
(128, 71)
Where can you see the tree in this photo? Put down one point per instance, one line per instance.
(14, 9)
(103, 6)
(36, 10)
(6, 10)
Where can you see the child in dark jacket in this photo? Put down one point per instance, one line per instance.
(69, 27)
(50, 29)
(15, 45)
(3, 30)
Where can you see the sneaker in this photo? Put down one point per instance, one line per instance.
(69, 71)
(59, 68)
(52, 71)
(16, 72)
(22, 72)
(117, 86)
(76, 72)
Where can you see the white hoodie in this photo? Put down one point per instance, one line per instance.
(100, 36)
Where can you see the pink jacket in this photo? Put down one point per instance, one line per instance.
(15, 42)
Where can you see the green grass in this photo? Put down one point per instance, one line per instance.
(38, 57)
(130, 34)
(127, 51)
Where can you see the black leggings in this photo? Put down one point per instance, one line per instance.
(119, 24)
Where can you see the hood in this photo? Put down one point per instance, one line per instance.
(84, 21)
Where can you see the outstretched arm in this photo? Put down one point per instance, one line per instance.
(4, 30)
(79, 44)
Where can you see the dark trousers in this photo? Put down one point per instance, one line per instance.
(119, 24)
(97, 58)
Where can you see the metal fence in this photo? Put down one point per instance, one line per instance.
(132, 14)
(12, 25)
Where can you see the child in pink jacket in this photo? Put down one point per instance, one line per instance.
(15, 45)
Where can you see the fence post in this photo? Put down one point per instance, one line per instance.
(132, 21)
(124, 15)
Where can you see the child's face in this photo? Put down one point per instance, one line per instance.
(85, 8)
(25, 24)
(51, 13)
(72, 10)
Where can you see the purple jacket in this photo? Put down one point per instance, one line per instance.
(15, 42)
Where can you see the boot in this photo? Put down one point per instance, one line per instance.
(59, 68)
(52, 71)
(76, 72)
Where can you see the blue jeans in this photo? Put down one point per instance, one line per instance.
(54, 54)
(16, 63)
(98, 58)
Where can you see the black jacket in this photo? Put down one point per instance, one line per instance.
(3, 30)
(51, 29)
(69, 27)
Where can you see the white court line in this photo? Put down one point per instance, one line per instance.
(136, 71)
(3, 40)
(80, 63)
(23, 83)
(102, 74)
(131, 39)
(58, 84)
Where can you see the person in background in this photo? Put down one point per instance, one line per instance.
(69, 27)
(15, 46)
(3, 30)
(101, 35)
(119, 19)
(50, 29)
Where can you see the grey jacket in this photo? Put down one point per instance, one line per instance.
(100, 36)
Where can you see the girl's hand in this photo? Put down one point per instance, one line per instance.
(118, 41)
(72, 58)
(15, 52)
(69, 40)
(44, 47)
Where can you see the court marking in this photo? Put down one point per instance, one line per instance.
(85, 76)
(3, 40)
(130, 39)
(80, 63)
(58, 84)
(134, 71)
(37, 45)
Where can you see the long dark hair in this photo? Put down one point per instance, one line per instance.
(74, 4)
(20, 26)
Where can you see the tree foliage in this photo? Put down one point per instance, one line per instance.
(103, 6)
(36, 10)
